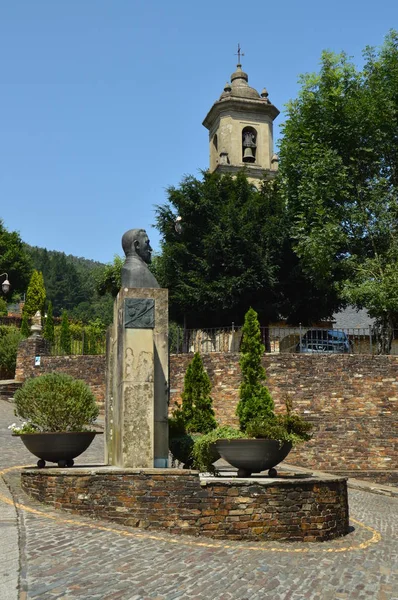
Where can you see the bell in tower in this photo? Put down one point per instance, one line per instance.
(249, 145)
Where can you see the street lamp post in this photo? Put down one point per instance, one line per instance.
(5, 286)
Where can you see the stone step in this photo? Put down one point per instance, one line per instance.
(8, 387)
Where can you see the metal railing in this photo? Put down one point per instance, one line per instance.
(276, 340)
(87, 344)
(307, 340)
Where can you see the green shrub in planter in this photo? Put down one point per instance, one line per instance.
(195, 415)
(255, 400)
(196, 409)
(203, 447)
(56, 402)
(288, 427)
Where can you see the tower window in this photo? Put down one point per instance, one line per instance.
(249, 144)
(215, 142)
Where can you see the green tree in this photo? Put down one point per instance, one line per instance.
(35, 295)
(339, 165)
(108, 280)
(196, 409)
(25, 325)
(233, 251)
(48, 330)
(14, 260)
(255, 401)
(10, 338)
(3, 308)
(65, 336)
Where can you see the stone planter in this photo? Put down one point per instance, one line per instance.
(253, 455)
(59, 448)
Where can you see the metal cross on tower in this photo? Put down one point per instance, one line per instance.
(239, 54)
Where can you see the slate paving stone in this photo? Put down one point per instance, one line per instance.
(76, 560)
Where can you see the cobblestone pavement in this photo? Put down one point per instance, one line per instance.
(69, 557)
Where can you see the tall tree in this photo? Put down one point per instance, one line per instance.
(35, 295)
(233, 251)
(14, 260)
(339, 163)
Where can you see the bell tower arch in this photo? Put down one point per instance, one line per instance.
(240, 128)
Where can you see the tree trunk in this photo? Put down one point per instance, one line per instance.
(384, 334)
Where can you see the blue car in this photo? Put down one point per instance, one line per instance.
(324, 340)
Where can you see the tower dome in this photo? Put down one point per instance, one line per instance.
(239, 87)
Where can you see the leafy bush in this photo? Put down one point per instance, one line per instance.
(255, 400)
(56, 402)
(10, 337)
(203, 451)
(3, 308)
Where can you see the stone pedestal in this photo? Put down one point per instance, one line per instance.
(137, 380)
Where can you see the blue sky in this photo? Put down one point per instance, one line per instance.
(102, 102)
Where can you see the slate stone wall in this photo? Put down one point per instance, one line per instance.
(352, 400)
(178, 502)
(89, 368)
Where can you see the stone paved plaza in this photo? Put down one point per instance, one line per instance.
(51, 554)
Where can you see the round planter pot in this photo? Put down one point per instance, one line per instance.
(253, 455)
(59, 448)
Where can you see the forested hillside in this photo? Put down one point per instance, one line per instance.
(70, 284)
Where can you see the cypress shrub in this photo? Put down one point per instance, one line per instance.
(197, 411)
(255, 401)
(25, 326)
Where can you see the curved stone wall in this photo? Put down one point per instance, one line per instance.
(178, 501)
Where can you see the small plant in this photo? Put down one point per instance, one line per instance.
(203, 451)
(255, 399)
(56, 402)
(23, 428)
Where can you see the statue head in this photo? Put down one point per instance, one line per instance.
(136, 242)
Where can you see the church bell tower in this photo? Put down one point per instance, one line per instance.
(240, 128)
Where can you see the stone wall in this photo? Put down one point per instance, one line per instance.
(177, 501)
(351, 399)
(89, 368)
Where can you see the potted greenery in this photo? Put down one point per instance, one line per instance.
(58, 412)
(264, 439)
(195, 416)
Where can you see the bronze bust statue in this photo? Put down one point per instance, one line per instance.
(135, 272)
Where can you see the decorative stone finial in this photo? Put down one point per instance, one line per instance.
(36, 325)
